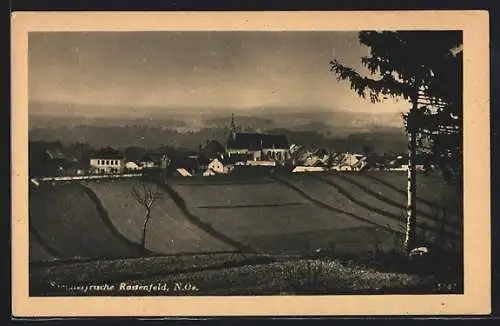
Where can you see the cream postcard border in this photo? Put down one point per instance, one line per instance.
(477, 283)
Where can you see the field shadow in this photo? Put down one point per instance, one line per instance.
(69, 222)
(429, 203)
(382, 212)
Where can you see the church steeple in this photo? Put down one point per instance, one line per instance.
(233, 127)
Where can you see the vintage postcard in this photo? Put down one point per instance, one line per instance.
(250, 163)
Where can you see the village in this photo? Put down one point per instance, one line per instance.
(242, 153)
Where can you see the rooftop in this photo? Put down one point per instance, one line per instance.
(256, 141)
(107, 153)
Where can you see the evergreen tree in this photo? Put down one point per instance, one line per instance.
(424, 68)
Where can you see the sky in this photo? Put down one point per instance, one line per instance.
(210, 70)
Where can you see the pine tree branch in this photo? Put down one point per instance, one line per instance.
(375, 89)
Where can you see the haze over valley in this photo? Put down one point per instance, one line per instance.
(186, 127)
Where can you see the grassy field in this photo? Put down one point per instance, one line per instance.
(432, 196)
(168, 232)
(382, 201)
(283, 214)
(268, 216)
(431, 190)
(227, 274)
(306, 212)
(207, 221)
(38, 252)
(65, 222)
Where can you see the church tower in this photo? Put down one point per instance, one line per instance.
(233, 128)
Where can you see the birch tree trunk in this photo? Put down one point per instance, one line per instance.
(411, 217)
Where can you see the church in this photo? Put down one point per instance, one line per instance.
(257, 146)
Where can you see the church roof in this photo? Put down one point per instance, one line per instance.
(245, 141)
(275, 141)
(256, 141)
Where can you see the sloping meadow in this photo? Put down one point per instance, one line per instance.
(336, 212)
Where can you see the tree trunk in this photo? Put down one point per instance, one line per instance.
(144, 229)
(411, 217)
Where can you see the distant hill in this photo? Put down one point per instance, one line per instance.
(150, 127)
(43, 114)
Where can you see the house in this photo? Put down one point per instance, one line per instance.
(132, 166)
(349, 162)
(299, 154)
(106, 161)
(260, 146)
(351, 159)
(317, 160)
(218, 166)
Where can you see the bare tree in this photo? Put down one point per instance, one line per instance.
(145, 196)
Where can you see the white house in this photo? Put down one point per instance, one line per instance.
(223, 165)
(133, 166)
(217, 166)
(351, 159)
(107, 161)
(315, 160)
(350, 162)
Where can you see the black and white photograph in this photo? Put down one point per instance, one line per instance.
(245, 163)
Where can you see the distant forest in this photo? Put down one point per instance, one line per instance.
(381, 141)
